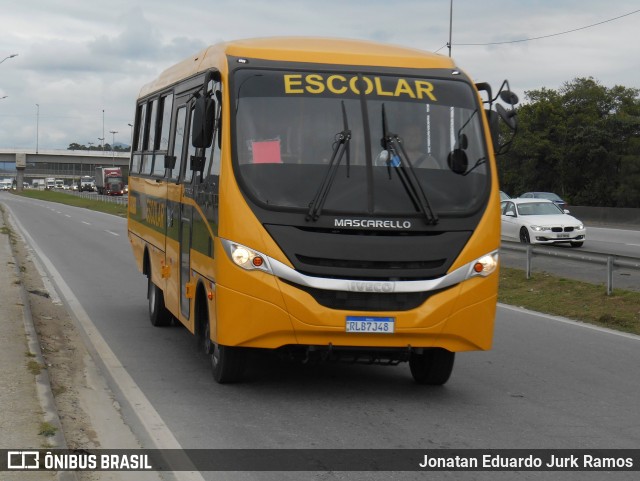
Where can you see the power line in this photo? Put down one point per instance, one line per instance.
(546, 36)
(445, 45)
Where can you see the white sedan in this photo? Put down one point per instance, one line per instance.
(540, 221)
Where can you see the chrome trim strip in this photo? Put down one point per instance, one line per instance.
(281, 270)
(383, 287)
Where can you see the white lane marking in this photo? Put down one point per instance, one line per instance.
(112, 233)
(85, 222)
(67, 215)
(46, 282)
(564, 320)
(157, 430)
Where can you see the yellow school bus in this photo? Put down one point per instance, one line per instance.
(326, 199)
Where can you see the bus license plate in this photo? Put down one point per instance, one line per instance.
(376, 325)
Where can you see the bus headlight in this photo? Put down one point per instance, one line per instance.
(484, 266)
(241, 256)
(245, 257)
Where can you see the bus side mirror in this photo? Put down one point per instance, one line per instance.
(169, 161)
(494, 126)
(509, 116)
(458, 161)
(197, 163)
(202, 123)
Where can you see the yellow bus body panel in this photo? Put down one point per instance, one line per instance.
(298, 49)
(255, 309)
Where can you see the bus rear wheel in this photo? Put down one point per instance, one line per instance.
(228, 363)
(433, 367)
(159, 315)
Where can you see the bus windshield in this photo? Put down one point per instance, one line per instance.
(287, 124)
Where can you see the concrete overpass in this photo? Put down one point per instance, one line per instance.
(68, 165)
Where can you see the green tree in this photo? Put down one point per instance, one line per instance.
(580, 142)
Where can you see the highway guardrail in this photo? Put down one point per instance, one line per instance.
(611, 261)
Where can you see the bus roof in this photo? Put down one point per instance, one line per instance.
(299, 49)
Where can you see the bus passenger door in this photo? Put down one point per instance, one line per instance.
(187, 289)
(175, 215)
(185, 260)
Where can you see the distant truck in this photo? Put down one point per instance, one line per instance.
(109, 181)
(38, 184)
(86, 184)
(50, 183)
(59, 184)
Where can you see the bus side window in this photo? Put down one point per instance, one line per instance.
(178, 143)
(188, 173)
(167, 107)
(149, 135)
(142, 111)
(213, 153)
(152, 117)
(135, 163)
(162, 133)
(136, 158)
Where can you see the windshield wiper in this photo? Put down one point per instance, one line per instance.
(399, 160)
(341, 146)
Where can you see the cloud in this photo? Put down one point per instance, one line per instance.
(78, 58)
(137, 40)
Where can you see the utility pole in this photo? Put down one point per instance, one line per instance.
(450, 25)
(37, 127)
(113, 147)
(102, 131)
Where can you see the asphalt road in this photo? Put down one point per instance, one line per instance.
(547, 383)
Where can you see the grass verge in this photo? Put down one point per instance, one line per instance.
(70, 199)
(47, 429)
(34, 367)
(573, 299)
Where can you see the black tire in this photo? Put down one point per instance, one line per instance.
(577, 244)
(228, 363)
(158, 313)
(433, 367)
(524, 236)
(204, 339)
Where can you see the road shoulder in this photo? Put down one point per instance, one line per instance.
(74, 397)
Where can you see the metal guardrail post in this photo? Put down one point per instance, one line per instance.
(611, 261)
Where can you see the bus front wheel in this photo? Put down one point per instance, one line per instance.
(227, 363)
(158, 313)
(432, 367)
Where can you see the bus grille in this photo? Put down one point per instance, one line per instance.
(366, 301)
(370, 264)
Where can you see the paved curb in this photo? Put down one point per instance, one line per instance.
(42, 380)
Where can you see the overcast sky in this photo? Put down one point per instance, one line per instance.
(77, 58)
